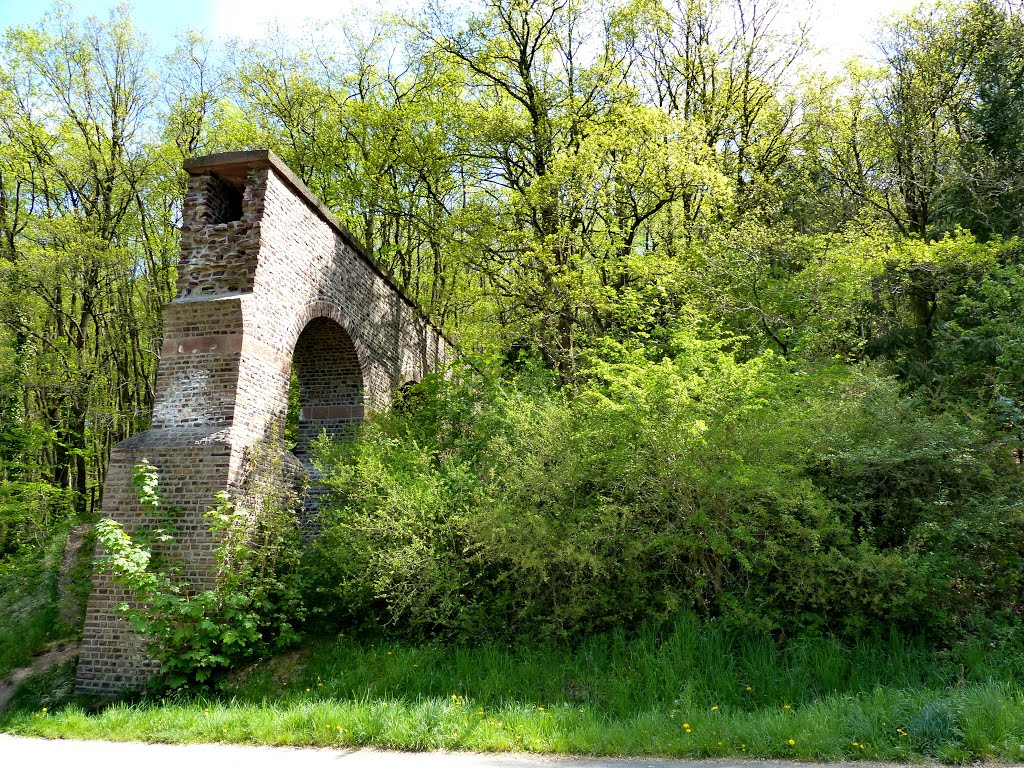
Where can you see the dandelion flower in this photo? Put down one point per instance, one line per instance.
(792, 742)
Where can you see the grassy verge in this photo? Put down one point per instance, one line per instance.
(691, 692)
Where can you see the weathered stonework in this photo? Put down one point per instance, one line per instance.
(267, 277)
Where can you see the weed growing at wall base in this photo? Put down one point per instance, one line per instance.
(196, 635)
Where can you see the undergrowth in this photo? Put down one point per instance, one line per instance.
(29, 604)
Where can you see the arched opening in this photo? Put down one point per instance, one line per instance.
(330, 384)
(326, 395)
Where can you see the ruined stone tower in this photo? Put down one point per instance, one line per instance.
(268, 279)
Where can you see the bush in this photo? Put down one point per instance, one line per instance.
(42, 597)
(750, 491)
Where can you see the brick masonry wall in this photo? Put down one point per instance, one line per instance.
(283, 282)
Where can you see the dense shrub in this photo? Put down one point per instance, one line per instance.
(753, 492)
(31, 514)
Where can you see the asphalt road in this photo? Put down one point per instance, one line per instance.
(18, 752)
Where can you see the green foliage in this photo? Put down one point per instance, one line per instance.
(30, 602)
(46, 690)
(752, 491)
(580, 182)
(985, 193)
(31, 514)
(197, 634)
(88, 246)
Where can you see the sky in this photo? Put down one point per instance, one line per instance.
(842, 28)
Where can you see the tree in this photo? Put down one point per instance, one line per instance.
(77, 237)
(570, 168)
(725, 67)
(921, 105)
(986, 191)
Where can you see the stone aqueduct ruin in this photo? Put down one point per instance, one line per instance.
(268, 279)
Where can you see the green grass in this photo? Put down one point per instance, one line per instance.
(692, 691)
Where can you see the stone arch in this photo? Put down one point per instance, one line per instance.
(332, 380)
(267, 276)
(315, 310)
